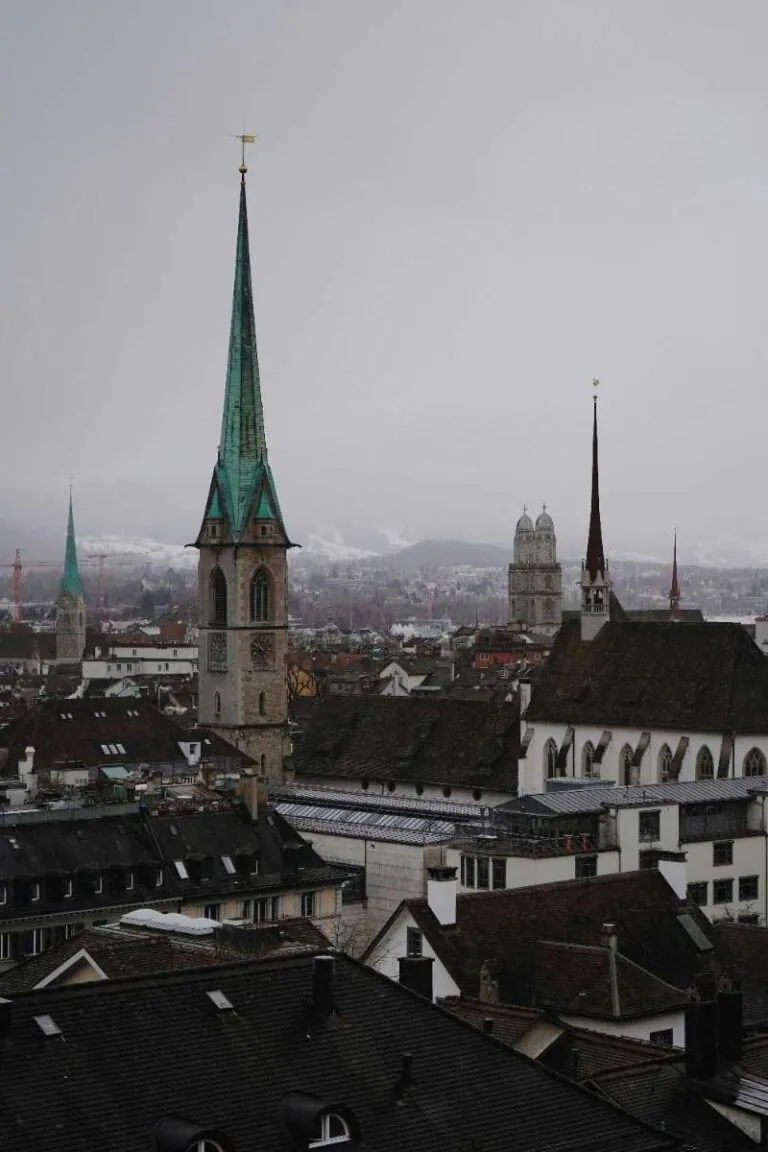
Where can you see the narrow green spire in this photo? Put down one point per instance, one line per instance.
(243, 445)
(70, 580)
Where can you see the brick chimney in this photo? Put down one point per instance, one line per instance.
(252, 793)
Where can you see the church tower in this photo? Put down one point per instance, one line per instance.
(535, 577)
(595, 577)
(70, 604)
(242, 569)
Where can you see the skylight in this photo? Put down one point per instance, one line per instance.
(691, 927)
(48, 1025)
(181, 868)
(229, 867)
(105, 749)
(220, 1000)
(121, 750)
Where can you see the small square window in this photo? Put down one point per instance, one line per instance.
(722, 891)
(650, 825)
(698, 892)
(722, 853)
(586, 866)
(414, 942)
(748, 887)
(664, 1037)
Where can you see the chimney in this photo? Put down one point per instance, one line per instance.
(252, 793)
(674, 869)
(441, 895)
(416, 974)
(730, 1027)
(608, 937)
(322, 987)
(701, 1038)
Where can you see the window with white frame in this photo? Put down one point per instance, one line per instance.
(550, 759)
(212, 911)
(158, 878)
(35, 891)
(98, 885)
(330, 1129)
(308, 903)
(266, 909)
(3, 896)
(129, 882)
(68, 888)
(5, 945)
(754, 763)
(665, 763)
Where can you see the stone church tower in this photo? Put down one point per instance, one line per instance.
(596, 585)
(242, 570)
(535, 577)
(70, 604)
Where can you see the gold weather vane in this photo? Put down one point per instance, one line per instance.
(244, 139)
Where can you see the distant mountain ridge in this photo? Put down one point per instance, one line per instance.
(443, 554)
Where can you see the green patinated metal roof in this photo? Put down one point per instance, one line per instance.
(70, 580)
(242, 473)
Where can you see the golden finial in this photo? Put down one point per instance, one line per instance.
(244, 139)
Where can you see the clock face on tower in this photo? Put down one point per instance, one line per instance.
(261, 650)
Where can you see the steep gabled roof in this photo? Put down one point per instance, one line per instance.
(473, 743)
(697, 677)
(503, 931)
(132, 1051)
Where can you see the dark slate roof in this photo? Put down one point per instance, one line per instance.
(503, 931)
(681, 615)
(139, 843)
(701, 677)
(748, 944)
(423, 740)
(590, 980)
(23, 645)
(658, 1094)
(130, 1052)
(123, 952)
(579, 1053)
(63, 731)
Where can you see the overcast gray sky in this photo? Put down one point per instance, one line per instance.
(460, 212)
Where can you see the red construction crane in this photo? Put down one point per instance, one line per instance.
(100, 557)
(18, 572)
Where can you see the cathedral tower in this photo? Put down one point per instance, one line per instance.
(595, 578)
(242, 569)
(674, 591)
(70, 603)
(535, 577)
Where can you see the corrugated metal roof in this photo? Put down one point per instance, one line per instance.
(365, 825)
(594, 799)
(373, 801)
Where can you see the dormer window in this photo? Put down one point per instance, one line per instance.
(68, 889)
(35, 891)
(330, 1129)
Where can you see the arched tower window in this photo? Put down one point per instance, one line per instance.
(705, 765)
(217, 703)
(754, 763)
(625, 764)
(587, 756)
(665, 763)
(260, 596)
(550, 759)
(218, 599)
(263, 763)
(330, 1129)
(262, 704)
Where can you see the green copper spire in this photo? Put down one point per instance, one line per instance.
(242, 480)
(70, 580)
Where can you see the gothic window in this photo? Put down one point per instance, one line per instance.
(665, 763)
(587, 756)
(705, 765)
(549, 609)
(262, 704)
(218, 599)
(754, 763)
(260, 606)
(625, 764)
(550, 759)
(217, 703)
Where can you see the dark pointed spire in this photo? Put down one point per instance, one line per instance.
(70, 580)
(595, 560)
(674, 592)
